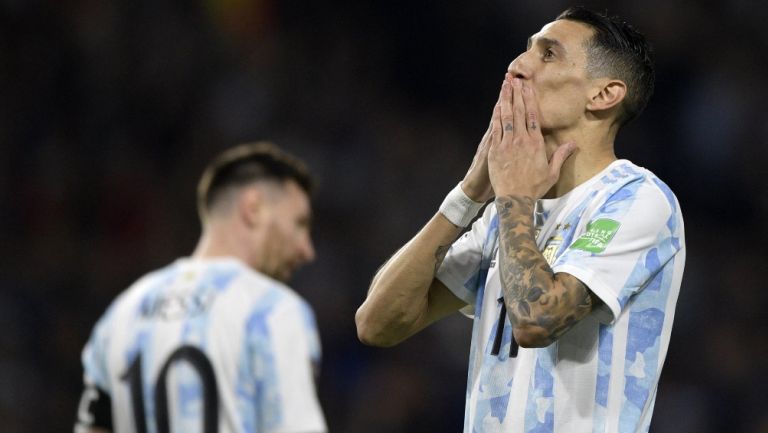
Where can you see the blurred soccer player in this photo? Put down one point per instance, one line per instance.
(572, 274)
(216, 342)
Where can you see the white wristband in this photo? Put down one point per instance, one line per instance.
(458, 208)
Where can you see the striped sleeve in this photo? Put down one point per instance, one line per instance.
(288, 387)
(623, 245)
(461, 267)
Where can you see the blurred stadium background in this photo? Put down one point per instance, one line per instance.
(110, 110)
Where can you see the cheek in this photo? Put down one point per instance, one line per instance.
(284, 237)
(275, 240)
(559, 107)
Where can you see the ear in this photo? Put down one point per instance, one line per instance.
(251, 206)
(607, 94)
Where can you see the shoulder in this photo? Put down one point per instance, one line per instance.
(268, 290)
(662, 191)
(627, 184)
(274, 301)
(131, 297)
(635, 199)
(120, 315)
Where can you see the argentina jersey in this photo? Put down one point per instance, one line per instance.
(621, 233)
(207, 345)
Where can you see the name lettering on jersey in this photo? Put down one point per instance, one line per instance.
(177, 305)
(599, 234)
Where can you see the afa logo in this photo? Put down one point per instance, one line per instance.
(551, 248)
(553, 244)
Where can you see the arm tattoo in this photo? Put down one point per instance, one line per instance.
(535, 297)
(440, 256)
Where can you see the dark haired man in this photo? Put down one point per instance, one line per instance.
(217, 342)
(573, 272)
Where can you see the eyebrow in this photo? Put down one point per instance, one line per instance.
(546, 41)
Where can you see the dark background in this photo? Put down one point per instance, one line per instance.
(110, 110)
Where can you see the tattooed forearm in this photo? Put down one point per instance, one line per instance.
(536, 298)
(519, 256)
(440, 256)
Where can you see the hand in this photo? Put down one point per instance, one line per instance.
(517, 160)
(477, 184)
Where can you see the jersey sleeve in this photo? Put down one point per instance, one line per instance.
(460, 269)
(95, 409)
(289, 397)
(94, 354)
(624, 244)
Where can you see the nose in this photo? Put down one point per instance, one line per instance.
(519, 67)
(307, 251)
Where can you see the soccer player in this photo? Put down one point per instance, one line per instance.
(216, 342)
(572, 273)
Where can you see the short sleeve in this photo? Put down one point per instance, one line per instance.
(95, 372)
(95, 407)
(461, 267)
(624, 244)
(289, 385)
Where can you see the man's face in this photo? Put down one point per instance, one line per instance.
(555, 65)
(287, 241)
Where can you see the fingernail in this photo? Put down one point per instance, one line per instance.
(516, 82)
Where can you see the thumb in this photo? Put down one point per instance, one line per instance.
(558, 158)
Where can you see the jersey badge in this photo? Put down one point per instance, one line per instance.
(550, 249)
(599, 234)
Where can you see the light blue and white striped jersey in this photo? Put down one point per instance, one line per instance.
(621, 234)
(207, 346)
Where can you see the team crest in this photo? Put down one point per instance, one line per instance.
(551, 248)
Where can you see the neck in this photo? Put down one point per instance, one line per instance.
(219, 240)
(594, 153)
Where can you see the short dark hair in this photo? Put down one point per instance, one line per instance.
(245, 164)
(617, 50)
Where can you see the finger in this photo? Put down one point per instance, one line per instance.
(489, 131)
(558, 158)
(496, 124)
(498, 103)
(518, 106)
(494, 131)
(531, 110)
(506, 115)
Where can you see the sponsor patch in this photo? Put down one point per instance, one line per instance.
(597, 237)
